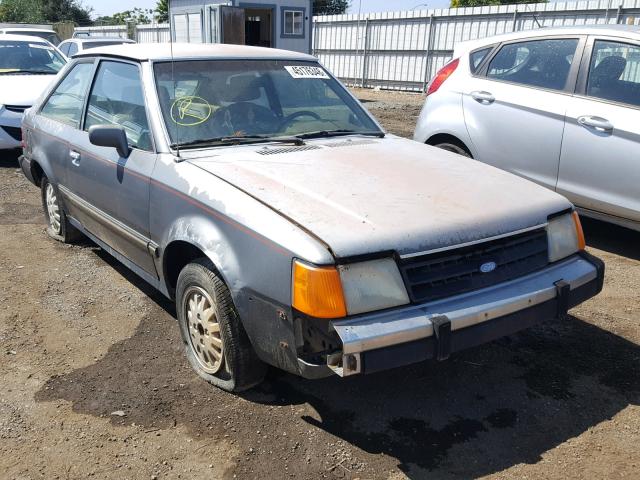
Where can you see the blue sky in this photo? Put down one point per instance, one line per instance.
(109, 7)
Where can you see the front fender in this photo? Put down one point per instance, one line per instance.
(259, 283)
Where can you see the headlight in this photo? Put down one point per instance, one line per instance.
(372, 285)
(334, 292)
(564, 236)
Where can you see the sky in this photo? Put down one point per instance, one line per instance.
(109, 7)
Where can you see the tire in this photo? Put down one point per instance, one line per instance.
(58, 225)
(216, 344)
(452, 147)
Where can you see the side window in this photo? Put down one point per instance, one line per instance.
(64, 48)
(73, 49)
(539, 63)
(614, 73)
(117, 99)
(476, 58)
(66, 102)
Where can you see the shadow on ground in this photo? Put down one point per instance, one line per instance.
(612, 238)
(480, 412)
(9, 158)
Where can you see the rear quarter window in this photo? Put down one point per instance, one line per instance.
(476, 58)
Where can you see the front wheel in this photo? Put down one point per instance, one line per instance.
(58, 225)
(452, 147)
(216, 344)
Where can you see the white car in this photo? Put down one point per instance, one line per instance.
(74, 45)
(558, 106)
(27, 67)
(46, 34)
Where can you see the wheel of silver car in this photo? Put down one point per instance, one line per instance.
(204, 329)
(216, 343)
(58, 225)
(53, 209)
(452, 147)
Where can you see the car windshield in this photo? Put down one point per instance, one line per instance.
(106, 43)
(211, 100)
(48, 36)
(28, 57)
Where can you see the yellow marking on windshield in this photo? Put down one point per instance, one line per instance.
(7, 70)
(190, 111)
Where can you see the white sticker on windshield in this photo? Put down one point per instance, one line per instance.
(40, 45)
(301, 71)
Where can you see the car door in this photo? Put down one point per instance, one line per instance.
(111, 193)
(600, 165)
(514, 107)
(59, 119)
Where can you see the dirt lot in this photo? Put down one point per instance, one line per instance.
(93, 382)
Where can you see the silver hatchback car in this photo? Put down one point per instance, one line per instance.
(559, 106)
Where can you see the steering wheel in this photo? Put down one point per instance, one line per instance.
(286, 121)
(246, 117)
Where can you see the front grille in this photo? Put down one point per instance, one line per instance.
(15, 108)
(433, 276)
(14, 132)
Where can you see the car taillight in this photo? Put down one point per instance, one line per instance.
(23, 142)
(444, 73)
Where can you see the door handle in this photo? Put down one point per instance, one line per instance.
(75, 157)
(483, 97)
(599, 123)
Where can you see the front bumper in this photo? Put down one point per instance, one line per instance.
(10, 134)
(7, 141)
(392, 339)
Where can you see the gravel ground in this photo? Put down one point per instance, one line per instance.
(93, 382)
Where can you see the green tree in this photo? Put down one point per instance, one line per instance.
(21, 11)
(65, 11)
(139, 16)
(162, 11)
(330, 7)
(482, 3)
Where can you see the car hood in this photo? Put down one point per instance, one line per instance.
(366, 195)
(22, 90)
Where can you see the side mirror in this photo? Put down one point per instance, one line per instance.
(110, 136)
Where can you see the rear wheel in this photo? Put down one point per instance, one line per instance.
(452, 147)
(216, 344)
(58, 226)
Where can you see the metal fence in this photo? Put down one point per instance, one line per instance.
(403, 50)
(155, 33)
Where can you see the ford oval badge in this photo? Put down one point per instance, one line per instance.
(488, 267)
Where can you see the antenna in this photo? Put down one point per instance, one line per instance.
(173, 82)
(535, 17)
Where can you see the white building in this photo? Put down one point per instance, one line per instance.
(285, 24)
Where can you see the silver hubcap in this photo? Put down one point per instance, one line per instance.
(53, 210)
(204, 329)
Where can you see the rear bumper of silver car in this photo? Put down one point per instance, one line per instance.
(396, 338)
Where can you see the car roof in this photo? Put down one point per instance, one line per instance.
(183, 51)
(23, 38)
(608, 30)
(115, 40)
(27, 29)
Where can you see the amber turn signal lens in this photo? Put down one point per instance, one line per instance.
(317, 291)
(581, 241)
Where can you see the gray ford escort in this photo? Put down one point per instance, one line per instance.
(250, 186)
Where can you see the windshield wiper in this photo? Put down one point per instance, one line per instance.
(244, 140)
(28, 72)
(340, 133)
